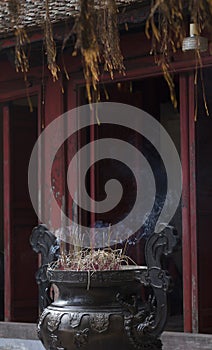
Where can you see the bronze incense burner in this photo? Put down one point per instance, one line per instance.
(103, 310)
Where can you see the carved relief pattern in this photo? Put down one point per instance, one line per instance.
(101, 277)
(139, 323)
(41, 319)
(99, 322)
(139, 337)
(81, 338)
(53, 342)
(155, 277)
(54, 321)
(138, 328)
(75, 319)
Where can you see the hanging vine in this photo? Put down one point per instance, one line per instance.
(15, 8)
(50, 45)
(87, 44)
(201, 14)
(97, 36)
(166, 22)
(108, 33)
(167, 33)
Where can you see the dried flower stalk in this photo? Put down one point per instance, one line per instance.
(93, 260)
(108, 33)
(167, 25)
(97, 36)
(201, 14)
(166, 22)
(22, 40)
(87, 44)
(50, 45)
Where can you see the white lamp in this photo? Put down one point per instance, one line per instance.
(194, 41)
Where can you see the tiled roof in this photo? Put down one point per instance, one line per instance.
(33, 12)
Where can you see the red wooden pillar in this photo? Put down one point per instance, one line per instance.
(189, 237)
(193, 214)
(92, 170)
(185, 203)
(71, 145)
(53, 108)
(7, 220)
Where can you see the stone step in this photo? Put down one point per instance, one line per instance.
(23, 336)
(20, 344)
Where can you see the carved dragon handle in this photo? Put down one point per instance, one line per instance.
(45, 243)
(145, 325)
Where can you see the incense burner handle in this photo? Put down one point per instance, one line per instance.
(145, 324)
(44, 243)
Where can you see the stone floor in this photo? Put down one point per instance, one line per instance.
(171, 341)
(20, 344)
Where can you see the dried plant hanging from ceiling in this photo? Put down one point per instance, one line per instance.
(108, 34)
(167, 23)
(87, 43)
(50, 45)
(97, 35)
(201, 16)
(21, 47)
(167, 30)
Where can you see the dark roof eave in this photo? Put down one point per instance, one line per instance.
(132, 12)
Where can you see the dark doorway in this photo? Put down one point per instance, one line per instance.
(204, 198)
(19, 134)
(151, 95)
